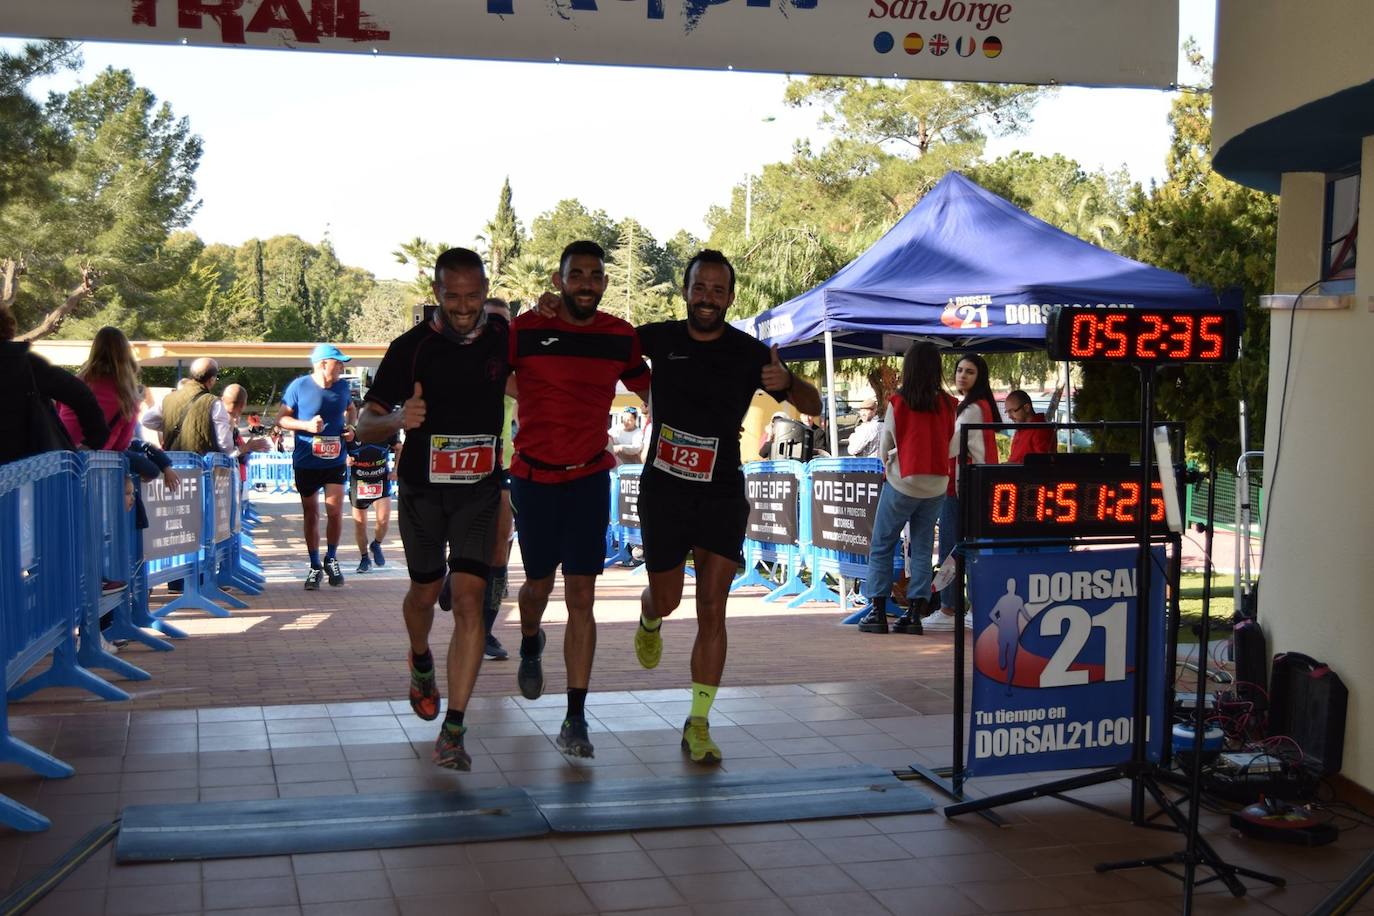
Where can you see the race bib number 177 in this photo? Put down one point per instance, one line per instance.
(461, 459)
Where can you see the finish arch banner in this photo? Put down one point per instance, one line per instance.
(1081, 42)
(1054, 660)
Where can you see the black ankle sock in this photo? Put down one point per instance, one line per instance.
(529, 645)
(422, 663)
(577, 702)
(453, 719)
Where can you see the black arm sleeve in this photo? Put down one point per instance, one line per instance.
(154, 456)
(60, 385)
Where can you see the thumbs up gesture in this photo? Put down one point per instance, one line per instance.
(775, 376)
(413, 410)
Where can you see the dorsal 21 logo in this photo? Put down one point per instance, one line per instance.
(1060, 630)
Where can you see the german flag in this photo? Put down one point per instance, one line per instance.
(992, 46)
(965, 45)
(913, 43)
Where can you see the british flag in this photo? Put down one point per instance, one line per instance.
(939, 44)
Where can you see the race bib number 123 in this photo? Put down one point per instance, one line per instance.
(686, 456)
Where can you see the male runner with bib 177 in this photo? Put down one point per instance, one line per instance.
(443, 381)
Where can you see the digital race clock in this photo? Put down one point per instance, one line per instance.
(1143, 336)
(1088, 496)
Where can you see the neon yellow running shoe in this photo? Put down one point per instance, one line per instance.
(649, 645)
(696, 741)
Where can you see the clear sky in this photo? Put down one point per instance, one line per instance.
(375, 150)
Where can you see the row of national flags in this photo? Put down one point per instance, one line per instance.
(939, 44)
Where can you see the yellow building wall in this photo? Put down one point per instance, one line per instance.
(1317, 592)
(1273, 56)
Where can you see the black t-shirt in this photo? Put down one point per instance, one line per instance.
(463, 387)
(701, 392)
(370, 459)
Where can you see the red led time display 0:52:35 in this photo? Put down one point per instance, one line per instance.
(1143, 336)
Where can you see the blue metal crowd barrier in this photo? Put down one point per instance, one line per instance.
(107, 551)
(786, 558)
(271, 472)
(624, 537)
(229, 567)
(40, 593)
(823, 561)
(189, 559)
(71, 553)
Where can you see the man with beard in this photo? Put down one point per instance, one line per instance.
(691, 492)
(443, 381)
(566, 367)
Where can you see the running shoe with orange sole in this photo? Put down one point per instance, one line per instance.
(424, 693)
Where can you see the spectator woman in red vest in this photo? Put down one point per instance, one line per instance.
(914, 447)
(977, 405)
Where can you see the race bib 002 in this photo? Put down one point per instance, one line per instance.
(461, 459)
(326, 446)
(684, 455)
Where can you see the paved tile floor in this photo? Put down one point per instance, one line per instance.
(298, 695)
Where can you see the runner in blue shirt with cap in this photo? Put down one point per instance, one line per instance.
(318, 409)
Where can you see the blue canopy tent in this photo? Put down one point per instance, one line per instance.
(967, 269)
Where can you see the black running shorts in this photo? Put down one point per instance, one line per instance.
(448, 528)
(310, 481)
(674, 520)
(562, 524)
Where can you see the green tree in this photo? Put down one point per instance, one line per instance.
(634, 290)
(420, 255)
(526, 277)
(384, 313)
(503, 236)
(1221, 235)
(126, 183)
(569, 221)
(31, 146)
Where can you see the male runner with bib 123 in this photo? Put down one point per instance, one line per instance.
(691, 492)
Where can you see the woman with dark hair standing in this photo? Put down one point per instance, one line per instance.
(976, 405)
(914, 447)
(111, 372)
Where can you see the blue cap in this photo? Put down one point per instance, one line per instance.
(327, 351)
(631, 411)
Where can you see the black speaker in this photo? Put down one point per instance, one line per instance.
(1252, 658)
(1307, 702)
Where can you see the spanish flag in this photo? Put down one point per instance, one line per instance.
(913, 43)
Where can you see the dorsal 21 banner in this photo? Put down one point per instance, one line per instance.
(1054, 642)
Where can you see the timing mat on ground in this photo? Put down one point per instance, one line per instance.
(752, 796)
(273, 827)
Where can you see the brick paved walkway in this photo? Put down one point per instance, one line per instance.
(300, 694)
(348, 643)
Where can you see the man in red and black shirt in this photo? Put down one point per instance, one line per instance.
(566, 368)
